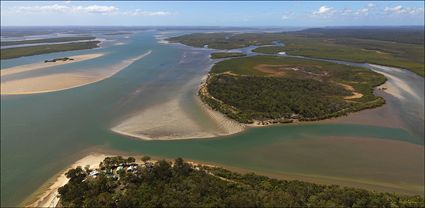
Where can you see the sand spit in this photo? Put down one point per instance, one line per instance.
(169, 121)
(49, 197)
(42, 65)
(394, 85)
(62, 81)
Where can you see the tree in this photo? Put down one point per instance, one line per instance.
(131, 160)
(145, 158)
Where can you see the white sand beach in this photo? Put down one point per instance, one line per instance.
(48, 195)
(48, 198)
(60, 81)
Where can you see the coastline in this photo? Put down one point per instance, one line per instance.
(48, 196)
(60, 81)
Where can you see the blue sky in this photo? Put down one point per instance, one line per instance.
(191, 13)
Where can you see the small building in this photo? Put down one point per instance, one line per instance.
(94, 173)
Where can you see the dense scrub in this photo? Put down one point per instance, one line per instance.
(412, 34)
(179, 184)
(220, 55)
(283, 88)
(9, 53)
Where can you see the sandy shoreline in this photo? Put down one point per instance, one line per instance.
(169, 121)
(48, 198)
(48, 195)
(42, 65)
(60, 81)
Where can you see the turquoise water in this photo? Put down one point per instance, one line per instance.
(43, 133)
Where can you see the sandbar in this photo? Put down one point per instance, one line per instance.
(169, 121)
(42, 65)
(60, 81)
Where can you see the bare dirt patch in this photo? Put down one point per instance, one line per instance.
(352, 90)
(273, 70)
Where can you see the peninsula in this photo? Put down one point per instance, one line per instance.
(131, 182)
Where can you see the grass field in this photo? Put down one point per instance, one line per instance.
(46, 40)
(220, 55)
(9, 53)
(281, 89)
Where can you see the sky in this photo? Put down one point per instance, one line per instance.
(214, 13)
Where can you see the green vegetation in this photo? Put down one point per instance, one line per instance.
(398, 47)
(274, 89)
(408, 56)
(412, 35)
(9, 53)
(46, 40)
(179, 184)
(59, 59)
(226, 41)
(220, 55)
(269, 49)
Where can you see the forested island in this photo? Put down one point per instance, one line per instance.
(278, 89)
(17, 52)
(389, 46)
(123, 182)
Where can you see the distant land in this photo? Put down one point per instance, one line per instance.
(45, 40)
(9, 53)
(390, 46)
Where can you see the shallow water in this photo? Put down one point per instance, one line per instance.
(43, 133)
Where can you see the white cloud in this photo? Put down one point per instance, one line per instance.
(139, 12)
(364, 11)
(370, 5)
(93, 9)
(66, 9)
(47, 8)
(323, 10)
(285, 17)
(403, 10)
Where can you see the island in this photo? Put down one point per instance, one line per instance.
(278, 89)
(123, 182)
(220, 55)
(59, 59)
(9, 53)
